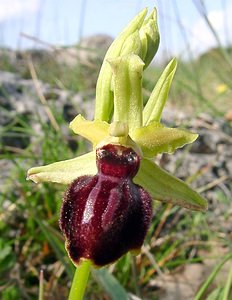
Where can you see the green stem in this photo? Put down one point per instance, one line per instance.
(80, 281)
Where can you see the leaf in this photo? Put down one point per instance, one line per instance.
(57, 245)
(154, 107)
(155, 138)
(94, 131)
(164, 187)
(215, 294)
(5, 251)
(110, 284)
(65, 171)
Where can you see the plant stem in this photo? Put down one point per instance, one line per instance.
(80, 280)
(135, 276)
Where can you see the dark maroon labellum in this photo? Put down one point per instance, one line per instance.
(106, 215)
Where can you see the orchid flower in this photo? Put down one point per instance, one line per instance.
(107, 208)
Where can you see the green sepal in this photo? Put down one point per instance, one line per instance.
(155, 138)
(127, 82)
(164, 187)
(154, 107)
(132, 44)
(65, 171)
(104, 94)
(94, 131)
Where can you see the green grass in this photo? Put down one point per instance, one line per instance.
(200, 85)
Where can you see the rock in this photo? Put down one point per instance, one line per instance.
(206, 143)
(19, 101)
(93, 48)
(5, 165)
(228, 166)
(182, 284)
(89, 51)
(206, 164)
(185, 281)
(172, 116)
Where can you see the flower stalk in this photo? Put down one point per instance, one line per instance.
(80, 280)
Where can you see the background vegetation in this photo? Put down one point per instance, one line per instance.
(30, 240)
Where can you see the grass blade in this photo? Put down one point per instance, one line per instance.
(110, 284)
(56, 245)
(227, 286)
(210, 279)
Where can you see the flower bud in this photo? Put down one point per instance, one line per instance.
(149, 38)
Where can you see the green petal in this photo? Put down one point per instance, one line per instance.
(155, 138)
(164, 187)
(94, 131)
(104, 94)
(154, 107)
(127, 82)
(65, 171)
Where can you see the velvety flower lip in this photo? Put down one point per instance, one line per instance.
(106, 215)
(112, 186)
